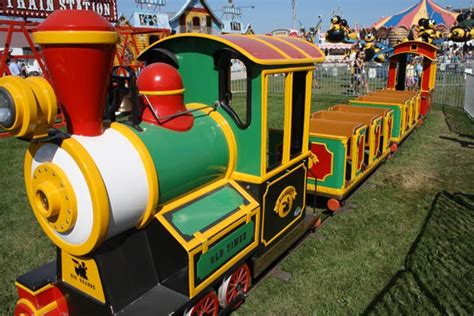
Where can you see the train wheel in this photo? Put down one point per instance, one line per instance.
(236, 284)
(420, 121)
(208, 305)
(49, 301)
(393, 147)
(333, 205)
(317, 224)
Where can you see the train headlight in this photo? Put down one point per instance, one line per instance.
(7, 109)
(28, 107)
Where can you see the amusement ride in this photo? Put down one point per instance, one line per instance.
(180, 207)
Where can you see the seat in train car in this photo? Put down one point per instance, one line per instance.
(374, 133)
(386, 114)
(406, 106)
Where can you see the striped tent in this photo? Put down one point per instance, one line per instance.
(423, 9)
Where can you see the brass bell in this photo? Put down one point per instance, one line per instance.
(125, 105)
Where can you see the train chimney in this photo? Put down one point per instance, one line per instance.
(78, 47)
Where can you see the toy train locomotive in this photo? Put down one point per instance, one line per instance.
(179, 211)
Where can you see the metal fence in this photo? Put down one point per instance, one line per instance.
(451, 84)
(337, 79)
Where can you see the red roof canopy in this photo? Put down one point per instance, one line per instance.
(264, 49)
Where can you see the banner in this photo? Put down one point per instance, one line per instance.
(43, 8)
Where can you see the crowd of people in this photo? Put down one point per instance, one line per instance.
(451, 55)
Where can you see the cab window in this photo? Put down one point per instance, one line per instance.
(275, 121)
(234, 86)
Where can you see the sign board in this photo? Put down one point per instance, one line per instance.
(43, 8)
(236, 27)
(147, 19)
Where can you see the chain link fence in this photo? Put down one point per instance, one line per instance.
(337, 79)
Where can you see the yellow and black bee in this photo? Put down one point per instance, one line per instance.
(463, 31)
(336, 32)
(426, 30)
(372, 52)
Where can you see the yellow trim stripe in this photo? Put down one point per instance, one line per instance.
(167, 92)
(76, 37)
(152, 178)
(295, 47)
(31, 292)
(270, 45)
(37, 312)
(239, 49)
(329, 136)
(307, 109)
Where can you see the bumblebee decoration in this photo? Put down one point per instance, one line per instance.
(340, 31)
(335, 34)
(463, 31)
(426, 30)
(372, 50)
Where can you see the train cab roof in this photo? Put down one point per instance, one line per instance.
(259, 49)
(415, 47)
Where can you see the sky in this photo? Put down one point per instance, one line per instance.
(273, 14)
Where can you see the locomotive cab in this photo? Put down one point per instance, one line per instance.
(236, 74)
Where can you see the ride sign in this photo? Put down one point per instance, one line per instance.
(43, 8)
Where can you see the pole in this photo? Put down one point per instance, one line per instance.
(293, 19)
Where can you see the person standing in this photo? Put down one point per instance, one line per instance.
(410, 76)
(359, 73)
(13, 66)
(23, 70)
(418, 73)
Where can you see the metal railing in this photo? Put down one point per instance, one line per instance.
(337, 79)
(451, 84)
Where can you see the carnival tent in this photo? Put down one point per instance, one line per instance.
(423, 9)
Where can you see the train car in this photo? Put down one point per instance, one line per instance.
(179, 212)
(404, 106)
(397, 70)
(381, 120)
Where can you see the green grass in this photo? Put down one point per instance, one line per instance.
(359, 251)
(440, 257)
(365, 245)
(458, 122)
(23, 245)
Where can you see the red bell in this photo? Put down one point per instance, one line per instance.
(161, 88)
